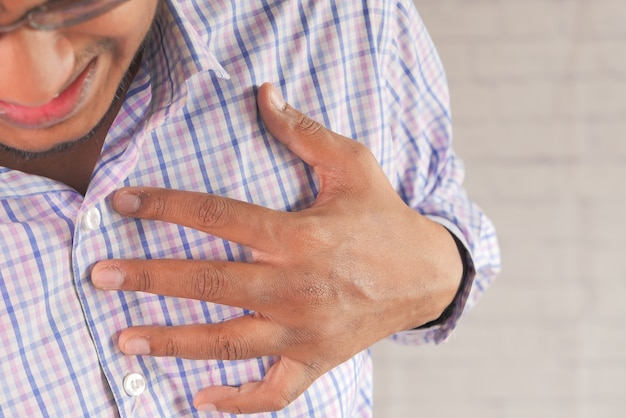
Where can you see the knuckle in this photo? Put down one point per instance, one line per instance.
(314, 236)
(309, 127)
(143, 280)
(213, 212)
(317, 294)
(159, 205)
(229, 347)
(210, 283)
(313, 287)
(172, 348)
(363, 155)
(314, 231)
(362, 159)
(360, 151)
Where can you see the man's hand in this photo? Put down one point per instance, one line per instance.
(326, 282)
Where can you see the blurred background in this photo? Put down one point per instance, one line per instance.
(538, 93)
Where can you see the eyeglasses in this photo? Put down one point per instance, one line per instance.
(61, 14)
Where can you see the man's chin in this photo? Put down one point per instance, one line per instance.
(47, 149)
(37, 153)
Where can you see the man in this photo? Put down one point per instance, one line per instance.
(180, 239)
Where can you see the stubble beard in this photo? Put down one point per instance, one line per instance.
(68, 145)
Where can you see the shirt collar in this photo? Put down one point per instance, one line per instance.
(176, 51)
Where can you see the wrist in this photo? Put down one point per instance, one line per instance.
(447, 313)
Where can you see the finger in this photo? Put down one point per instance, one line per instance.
(285, 381)
(244, 285)
(319, 147)
(245, 223)
(236, 339)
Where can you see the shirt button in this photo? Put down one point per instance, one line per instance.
(134, 384)
(91, 220)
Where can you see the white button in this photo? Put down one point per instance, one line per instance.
(134, 384)
(91, 219)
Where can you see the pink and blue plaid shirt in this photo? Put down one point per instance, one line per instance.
(365, 69)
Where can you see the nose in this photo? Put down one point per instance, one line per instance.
(34, 66)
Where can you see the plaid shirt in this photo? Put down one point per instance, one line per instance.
(367, 70)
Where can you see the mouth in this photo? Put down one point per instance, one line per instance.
(57, 110)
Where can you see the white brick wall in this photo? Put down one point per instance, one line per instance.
(539, 101)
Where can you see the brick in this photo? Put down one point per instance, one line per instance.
(539, 97)
(473, 103)
(536, 19)
(558, 301)
(497, 142)
(607, 145)
(610, 409)
(609, 57)
(588, 99)
(524, 59)
(606, 261)
(602, 382)
(602, 340)
(509, 357)
(602, 19)
(457, 61)
(598, 184)
(460, 19)
(539, 409)
(600, 59)
(530, 100)
(541, 265)
(543, 184)
(527, 100)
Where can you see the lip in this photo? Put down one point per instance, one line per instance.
(57, 110)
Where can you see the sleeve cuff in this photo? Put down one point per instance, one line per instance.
(440, 329)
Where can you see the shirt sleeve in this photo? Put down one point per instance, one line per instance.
(429, 174)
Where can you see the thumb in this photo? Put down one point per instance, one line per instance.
(312, 142)
(283, 383)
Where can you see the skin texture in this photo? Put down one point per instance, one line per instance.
(326, 282)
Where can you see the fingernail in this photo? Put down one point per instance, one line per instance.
(277, 99)
(108, 278)
(127, 202)
(137, 346)
(206, 407)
